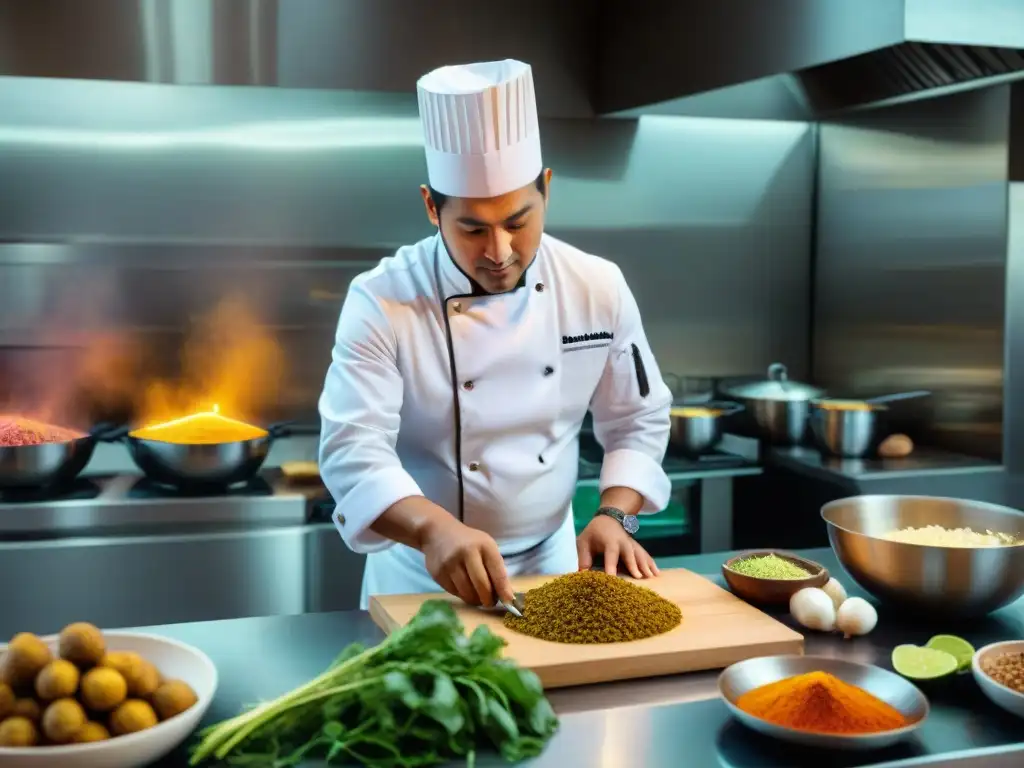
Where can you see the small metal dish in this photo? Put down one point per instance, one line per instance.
(887, 686)
(772, 591)
(1006, 698)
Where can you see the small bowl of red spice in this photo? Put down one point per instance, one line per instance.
(816, 701)
(999, 671)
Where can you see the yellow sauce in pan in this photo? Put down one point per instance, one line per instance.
(691, 412)
(846, 405)
(208, 428)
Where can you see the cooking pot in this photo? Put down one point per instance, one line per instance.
(697, 427)
(47, 465)
(853, 429)
(776, 409)
(198, 466)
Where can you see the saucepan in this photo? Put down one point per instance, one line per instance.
(38, 455)
(853, 429)
(698, 427)
(776, 409)
(213, 464)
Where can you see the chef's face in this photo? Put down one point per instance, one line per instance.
(494, 239)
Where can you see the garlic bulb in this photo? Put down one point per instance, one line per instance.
(856, 616)
(836, 591)
(813, 609)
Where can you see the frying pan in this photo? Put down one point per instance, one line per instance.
(46, 465)
(204, 465)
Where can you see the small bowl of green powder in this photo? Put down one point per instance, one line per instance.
(771, 577)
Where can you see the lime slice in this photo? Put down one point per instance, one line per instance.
(955, 646)
(918, 663)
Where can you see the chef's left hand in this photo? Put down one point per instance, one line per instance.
(605, 536)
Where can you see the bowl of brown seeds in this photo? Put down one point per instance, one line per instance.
(999, 671)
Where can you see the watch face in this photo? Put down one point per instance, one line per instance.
(631, 524)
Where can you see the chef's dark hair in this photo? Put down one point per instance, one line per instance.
(440, 198)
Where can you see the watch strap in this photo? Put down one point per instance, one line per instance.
(629, 522)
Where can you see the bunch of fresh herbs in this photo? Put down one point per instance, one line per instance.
(425, 695)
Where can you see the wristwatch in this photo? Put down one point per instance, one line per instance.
(630, 522)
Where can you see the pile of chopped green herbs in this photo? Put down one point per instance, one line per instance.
(424, 696)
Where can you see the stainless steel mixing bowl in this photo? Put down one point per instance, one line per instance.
(947, 581)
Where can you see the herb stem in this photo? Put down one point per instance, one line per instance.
(227, 731)
(291, 702)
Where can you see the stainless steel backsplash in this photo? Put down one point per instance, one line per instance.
(129, 209)
(910, 286)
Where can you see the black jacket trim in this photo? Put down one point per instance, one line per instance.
(457, 408)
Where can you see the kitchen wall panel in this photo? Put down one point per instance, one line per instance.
(128, 209)
(911, 257)
(364, 45)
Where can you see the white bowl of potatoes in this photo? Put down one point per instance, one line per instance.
(92, 699)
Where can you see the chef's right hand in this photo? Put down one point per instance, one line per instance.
(466, 562)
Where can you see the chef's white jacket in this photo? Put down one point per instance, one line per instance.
(476, 401)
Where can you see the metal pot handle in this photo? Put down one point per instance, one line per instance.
(109, 433)
(292, 429)
(778, 372)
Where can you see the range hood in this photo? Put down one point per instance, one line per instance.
(596, 57)
(831, 56)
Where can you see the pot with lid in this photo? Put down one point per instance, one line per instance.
(775, 409)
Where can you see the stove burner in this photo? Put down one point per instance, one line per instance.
(79, 489)
(145, 488)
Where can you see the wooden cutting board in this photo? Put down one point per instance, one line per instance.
(718, 629)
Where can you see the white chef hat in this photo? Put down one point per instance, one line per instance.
(480, 128)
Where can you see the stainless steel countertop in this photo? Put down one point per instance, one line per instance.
(671, 722)
(923, 462)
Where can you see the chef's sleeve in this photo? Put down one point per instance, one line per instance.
(360, 414)
(631, 409)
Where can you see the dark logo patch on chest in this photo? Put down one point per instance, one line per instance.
(588, 338)
(592, 340)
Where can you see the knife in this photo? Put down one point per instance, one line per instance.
(517, 606)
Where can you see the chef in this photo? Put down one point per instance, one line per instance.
(463, 367)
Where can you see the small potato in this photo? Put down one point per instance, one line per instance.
(896, 447)
(103, 689)
(18, 732)
(62, 720)
(172, 698)
(26, 655)
(57, 680)
(91, 731)
(82, 644)
(132, 716)
(7, 699)
(29, 709)
(140, 675)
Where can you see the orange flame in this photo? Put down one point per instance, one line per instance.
(230, 365)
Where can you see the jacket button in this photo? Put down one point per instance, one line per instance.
(548, 370)
(539, 287)
(457, 306)
(467, 385)
(474, 466)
